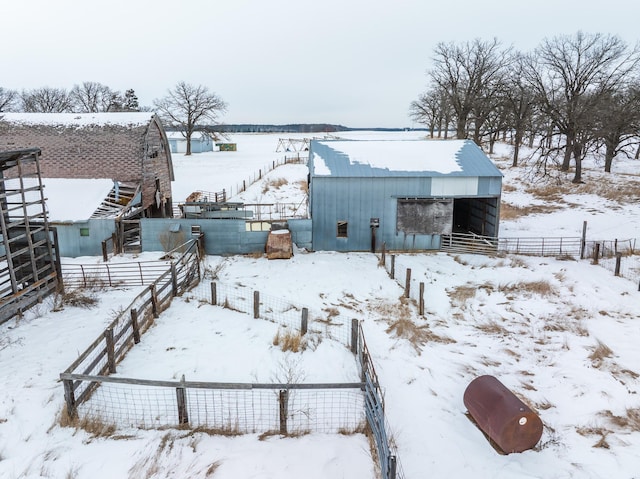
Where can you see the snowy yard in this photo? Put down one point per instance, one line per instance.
(562, 334)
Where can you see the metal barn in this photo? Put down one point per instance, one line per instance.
(408, 194)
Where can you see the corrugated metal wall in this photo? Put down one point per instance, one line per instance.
(83, 238)
(357, 200)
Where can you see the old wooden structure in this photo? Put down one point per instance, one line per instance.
(29, 261)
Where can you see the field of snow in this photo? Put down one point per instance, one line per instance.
(562, 334)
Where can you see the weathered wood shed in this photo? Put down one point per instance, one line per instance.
(405, 193)
(127, 148)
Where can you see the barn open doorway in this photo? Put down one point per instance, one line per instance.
(476, 215)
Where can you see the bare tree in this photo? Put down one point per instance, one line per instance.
(432, 110)
(188, 106)
(470, 76)
(91, 97)
(619, 123)
(571, 75)
(519, 103)
(46, 100)
(8, 99)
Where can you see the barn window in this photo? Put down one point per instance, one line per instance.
(425, 216)
(342, 229)
(84, 231)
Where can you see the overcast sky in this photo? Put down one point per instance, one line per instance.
(352, 62)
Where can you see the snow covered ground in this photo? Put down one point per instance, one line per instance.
(561, 334)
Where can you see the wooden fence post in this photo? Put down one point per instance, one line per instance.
(304, 321)
(393, 266)
(407, 284)
(618, 262)
(135, 326)
(69, 397)
(256, 304)
(284, 406)
(111, 353)
(114, 240)
(105, 254)
(174, 279)
(596, 253)
(154, 301)
(214, 293)
(383, 256)
(354, 335)
(421, 301)
(181, 397)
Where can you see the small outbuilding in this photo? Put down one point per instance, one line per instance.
(201, 142)
(408, 194)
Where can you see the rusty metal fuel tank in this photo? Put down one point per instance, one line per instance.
(504, 418)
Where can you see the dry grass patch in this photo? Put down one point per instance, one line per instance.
(303, 186)
(492, 327)
(599, 354)
(512, 212)
(274, 183)
(541, 288)
(417, 335)
(630, 422)
(289, 341)
(596, 431)
(461, 294)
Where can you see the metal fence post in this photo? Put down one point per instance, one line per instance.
(421, 301)
(392, 467)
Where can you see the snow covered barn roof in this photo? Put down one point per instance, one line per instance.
(383, 158)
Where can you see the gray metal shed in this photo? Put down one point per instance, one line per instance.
(407, 194)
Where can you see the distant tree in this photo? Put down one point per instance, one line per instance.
(469, 74)
(46, 100)
(8, 99)
(519, 104)
(188, 106)
(433, 110)
(619, 122)
(572, 76)
(91, 97)
(130, 102)
(126, 102)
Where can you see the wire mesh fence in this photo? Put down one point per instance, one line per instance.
(226, 408)
(272, 308)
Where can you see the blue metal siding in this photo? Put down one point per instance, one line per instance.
(72, 245)
(221, 236)
(357, 200)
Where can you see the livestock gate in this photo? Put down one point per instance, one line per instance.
(29, 260)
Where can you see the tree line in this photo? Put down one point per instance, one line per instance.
(572, 96)
(88, 97)
(185, 106)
